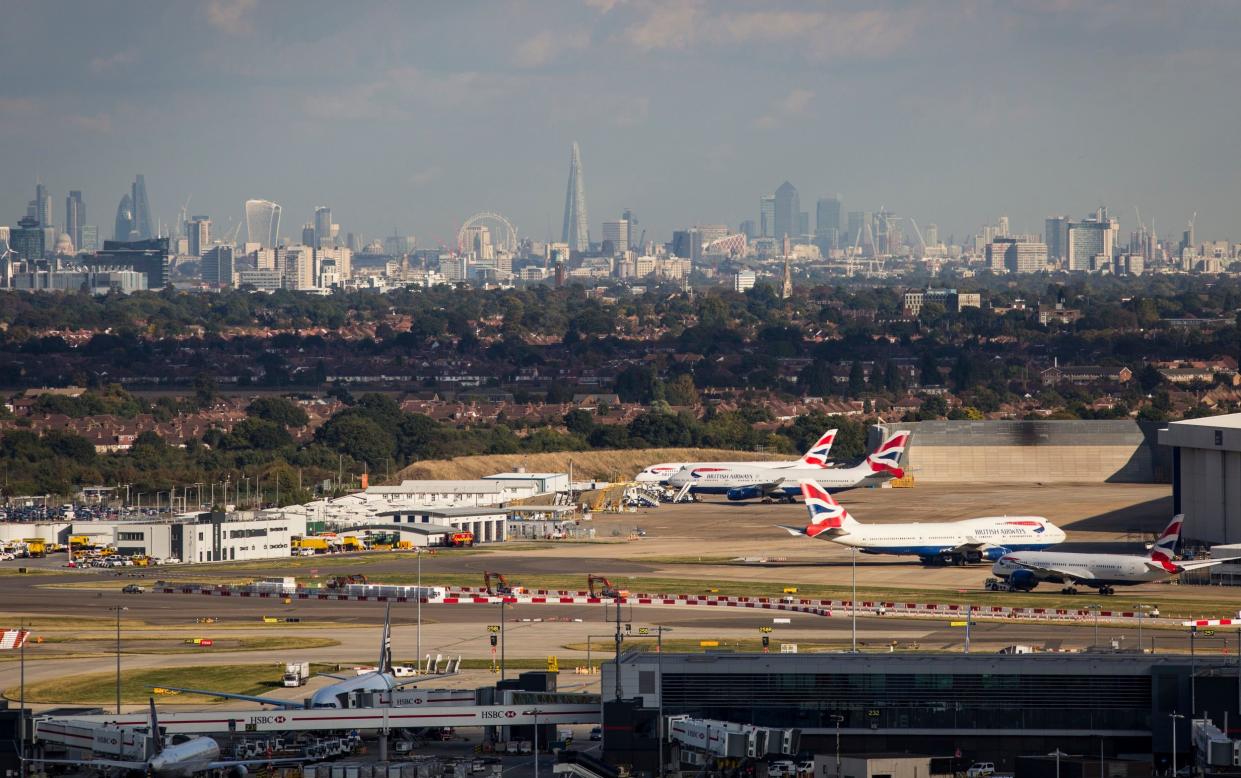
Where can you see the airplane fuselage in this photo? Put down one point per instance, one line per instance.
(988, 537)
(187, 759)
(722, 479)
(1094, 570)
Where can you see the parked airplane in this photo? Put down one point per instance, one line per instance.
(381, 679)
(1026, 570)
(816, 456)
(758, 480)
(185, 757)
(951, 542)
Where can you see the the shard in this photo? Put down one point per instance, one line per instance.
(576, 227)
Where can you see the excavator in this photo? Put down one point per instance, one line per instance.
(341, 581)
(606, 588)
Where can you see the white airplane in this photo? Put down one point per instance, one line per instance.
(816, 456)
(952, 542)
(382, 679)
(1104, 572)
(188, 757)
(758, 480)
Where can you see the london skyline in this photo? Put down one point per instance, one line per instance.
(686, 112)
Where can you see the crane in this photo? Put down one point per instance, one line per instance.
(918, 232)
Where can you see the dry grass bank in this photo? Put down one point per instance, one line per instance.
(607, 464)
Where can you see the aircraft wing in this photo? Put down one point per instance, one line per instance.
(1045, 570)
(292, 704)
(117, 763)
(224, 765)
(330, 675)
(794, 531)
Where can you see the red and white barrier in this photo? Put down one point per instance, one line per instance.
(13, 638)
(1212, 623)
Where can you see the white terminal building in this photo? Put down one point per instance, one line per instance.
(207, 537)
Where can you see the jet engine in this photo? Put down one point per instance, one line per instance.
(1022, 580)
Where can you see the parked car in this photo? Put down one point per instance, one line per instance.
(596, 733)
(133, 589)
(980, 770)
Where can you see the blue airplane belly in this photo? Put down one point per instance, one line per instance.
(937, 550)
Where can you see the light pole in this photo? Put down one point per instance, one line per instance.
(1057, 753)
(21, 711)
(1174, 717)
(838, 719)
(853, 604)
(418, 632)
(1096, 608)
(118, 609)
(535, 712)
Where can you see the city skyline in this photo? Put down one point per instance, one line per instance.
(884, 104)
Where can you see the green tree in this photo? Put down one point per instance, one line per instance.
(857, 379)
(280, 410)
(681, 391)
(206, 391)
(579, 422)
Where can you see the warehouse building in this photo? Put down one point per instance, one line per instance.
(989, 707)
(1206, 476)
(207, 537)
(427, 526)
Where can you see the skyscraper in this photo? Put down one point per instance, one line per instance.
(75, 217)
(26, 239)
(142, 210)
(262, 223)
(788, 212)
(616, 236)
(218, 266)
(1094, 236)
(634, 238)
(827, 223)
(323, 227)
(576, 228)
(308, 234)
(198, 234)
(767, 216)
(1056, 236)
(124, 219)
(43, 205)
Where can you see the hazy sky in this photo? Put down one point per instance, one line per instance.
(414, 115)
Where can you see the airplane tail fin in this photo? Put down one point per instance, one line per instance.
(157, 739)
(1165, 547)
(826, 515)
(816, 456)
(887, 458)
(385, 648)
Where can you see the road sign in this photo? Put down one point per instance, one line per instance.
(493, 627)
(958, 623)
(553, 664)
(764, 629)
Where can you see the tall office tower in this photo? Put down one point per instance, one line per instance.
(262, 223)
(827, 223)
(75, 217)
(576, 230)
(124, 219)
(26, 240)
(787, 218)
(1094, 236)
(142, 211)
(1188, 239)
(1002, 227)
(90, 237)
(748, 228)
(931, 235)
(43, 205)
(148, 256)
(634, 237)
(308, 235)
(1056, 236)
(198, 233)
(860, 228)
(297, 266)
(323, 228)
(218, 265)
(616, 236)
(803, 224)
(767, 216)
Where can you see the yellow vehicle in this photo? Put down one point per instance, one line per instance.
(352, 543)
(314, 545)
(35, 547)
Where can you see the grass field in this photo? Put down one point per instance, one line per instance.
(136, 685)
(606, 465)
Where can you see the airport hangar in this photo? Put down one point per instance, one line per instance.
(1206, 476)
(990, 707)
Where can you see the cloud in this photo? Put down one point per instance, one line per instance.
(789, 107)
(543, 47)
(100, 65)
(230, 15)
(668, 25)
(100, 122)
(603, 6)
(400, 93)
(820, 34)
(17, 106)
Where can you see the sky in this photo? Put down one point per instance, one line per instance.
(413, 115)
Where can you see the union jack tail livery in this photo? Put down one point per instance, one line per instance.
(887, 458)
(817, 455)
(826, 515)
(1164, 548)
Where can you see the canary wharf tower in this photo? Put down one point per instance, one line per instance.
(576, 227)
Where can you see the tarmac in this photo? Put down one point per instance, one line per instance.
(1112, 517)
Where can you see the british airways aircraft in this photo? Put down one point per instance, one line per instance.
(1104, 572)
(816, 456)
(943, 542)
(758, 480)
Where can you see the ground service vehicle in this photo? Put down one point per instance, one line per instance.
(36, 548)
(501, 588)
(296, 673)
(341, 581)
(461, 539)
(133, 589)
(980, 770)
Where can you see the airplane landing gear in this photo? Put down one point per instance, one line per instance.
(1068, 590)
